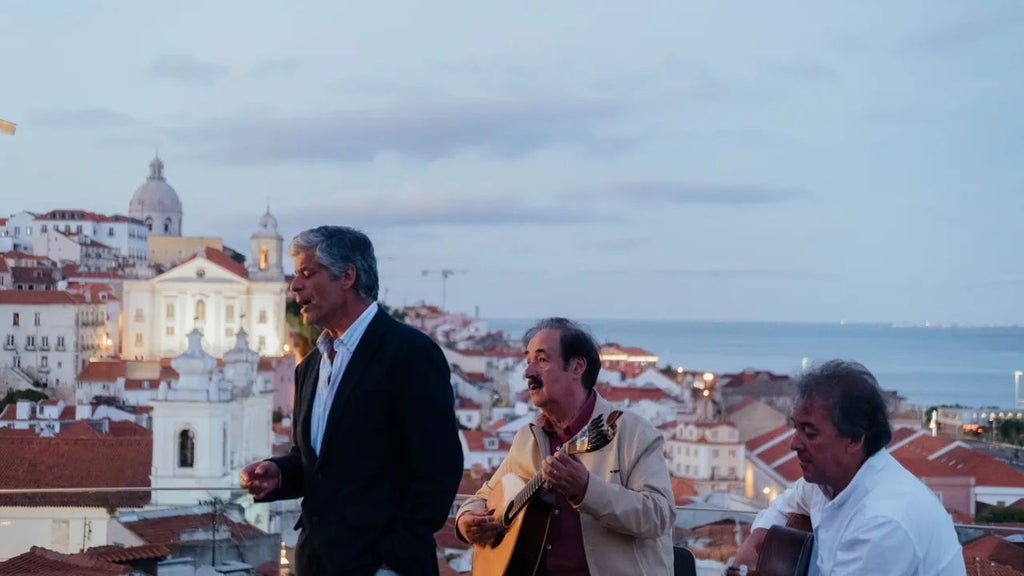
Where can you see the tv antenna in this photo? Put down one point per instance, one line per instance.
(444, 273)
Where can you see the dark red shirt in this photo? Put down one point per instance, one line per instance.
(564, 554)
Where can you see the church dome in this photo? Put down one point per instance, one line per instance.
(155, 195)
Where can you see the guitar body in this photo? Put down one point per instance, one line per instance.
(785, 552)
(519, 551)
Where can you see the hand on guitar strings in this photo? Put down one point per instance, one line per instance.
(567, 475)
(480, 527)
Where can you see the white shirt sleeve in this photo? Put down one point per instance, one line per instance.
(795, 500)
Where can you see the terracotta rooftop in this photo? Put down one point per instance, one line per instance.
(621, 394)
(992, 548)
(683, 489)
(220, 259)
(446, 537)
(475, 440)
(168, 530)
(42, 562)
(40, 297)
(118, 553)
(77, 457)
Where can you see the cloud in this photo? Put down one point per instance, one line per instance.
(677, 192)
(707, 273)
(83, 118)
(426, 130)
(968, 30)
(804, 71)
(370, 210)
(186, 68)
(279, 68)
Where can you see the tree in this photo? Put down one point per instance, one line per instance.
(14, 395)
(998, 514)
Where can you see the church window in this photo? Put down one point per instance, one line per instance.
(169, 312)
(167, 226)
(149, 224)
(139, 315)
(228, 333)
(186, 449)
(200, 311)
(229, 313)
(264, 257)
(262, 343)
(138, 339)
(263, 317)
(170, 330)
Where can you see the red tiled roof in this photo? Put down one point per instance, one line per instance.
(168, 530)
(987, 470)
(72, 215)
(119, 553)
(45, 297)
(465, 404)
(42, 562)
(493, 352)
(683, 489)
(220, 259)
(620, 394)
(475, 441)
(446, 537)
(473, 480)
(993, 549)
(77, 457)
(755, 443)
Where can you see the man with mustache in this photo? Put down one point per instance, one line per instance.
(870, 515)
(376, 455)
(613, 508)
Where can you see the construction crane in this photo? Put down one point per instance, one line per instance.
(7, 127)
(445, 273)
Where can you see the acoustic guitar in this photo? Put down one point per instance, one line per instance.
(526, 515)
(786, 550)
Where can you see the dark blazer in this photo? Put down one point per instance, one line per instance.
(390, 462)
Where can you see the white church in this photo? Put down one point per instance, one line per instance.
(209, 423)
(207, 291)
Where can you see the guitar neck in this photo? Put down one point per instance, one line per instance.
(528, 492)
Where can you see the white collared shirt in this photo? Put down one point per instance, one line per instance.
(331, 373)
(885, 521)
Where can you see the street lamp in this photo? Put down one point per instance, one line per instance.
(1016, 387)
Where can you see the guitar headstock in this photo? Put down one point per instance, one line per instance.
(598, 434)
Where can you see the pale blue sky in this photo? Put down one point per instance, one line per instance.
(679, 160)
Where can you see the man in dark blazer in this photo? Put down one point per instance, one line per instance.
(376, 455)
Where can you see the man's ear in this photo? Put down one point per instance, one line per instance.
(855, 446)
(348, 279)
(577, 366)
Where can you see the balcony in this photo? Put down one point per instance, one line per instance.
(30, 347)
(9, 346)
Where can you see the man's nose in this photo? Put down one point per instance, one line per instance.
(796, 444)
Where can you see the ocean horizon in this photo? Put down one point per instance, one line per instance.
(928, 364)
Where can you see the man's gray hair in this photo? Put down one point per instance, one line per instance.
(338, 247)
(853, 399)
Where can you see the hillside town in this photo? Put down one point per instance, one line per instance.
(142, 369)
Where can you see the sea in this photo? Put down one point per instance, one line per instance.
(927, 365)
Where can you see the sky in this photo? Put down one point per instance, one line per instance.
(732, 161)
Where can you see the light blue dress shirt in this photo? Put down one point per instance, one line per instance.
(331, 373)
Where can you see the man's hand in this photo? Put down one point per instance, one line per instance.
(566, 474)
(750, 549)
(480, 528)
(260, 478)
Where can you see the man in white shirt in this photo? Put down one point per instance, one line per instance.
(870, 515)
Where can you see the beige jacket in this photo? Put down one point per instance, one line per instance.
(628, 511)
